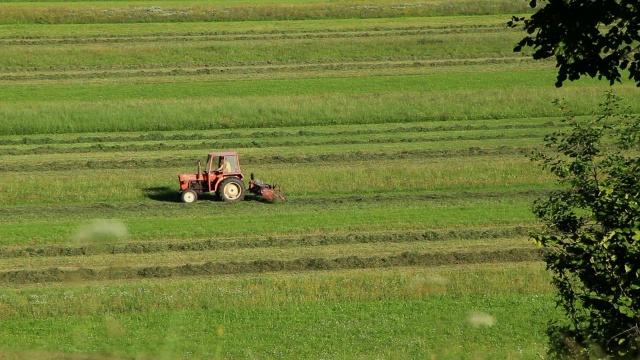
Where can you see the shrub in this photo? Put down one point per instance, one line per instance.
(593, 234)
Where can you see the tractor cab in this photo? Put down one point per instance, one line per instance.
(224, 163)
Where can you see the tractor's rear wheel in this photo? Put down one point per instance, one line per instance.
(231, 189)
(188, 196)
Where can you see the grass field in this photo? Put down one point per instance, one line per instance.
(399, 131)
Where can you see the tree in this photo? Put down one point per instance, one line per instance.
(587, 37)
(592, 233)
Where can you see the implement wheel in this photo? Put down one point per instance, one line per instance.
(188, 196)
(231, 189)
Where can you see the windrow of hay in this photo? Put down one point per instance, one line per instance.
(302, 133)
(173, 162)
(48, 149)
(104, 247)
(248, 35)
(223, 72)
(266, 265)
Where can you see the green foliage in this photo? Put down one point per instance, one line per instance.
(593, 233)
(594, 38)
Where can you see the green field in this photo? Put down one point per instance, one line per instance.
(399, 132)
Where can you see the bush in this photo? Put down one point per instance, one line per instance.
(593, 233)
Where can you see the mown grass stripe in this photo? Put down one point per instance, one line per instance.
(294, 87)
(353, 103)
(168, 203)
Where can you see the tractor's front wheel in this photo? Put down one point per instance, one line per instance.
(231, 189)
(188, 196)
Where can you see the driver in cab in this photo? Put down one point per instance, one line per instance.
(223, 166)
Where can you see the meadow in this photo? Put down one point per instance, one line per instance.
(399, 132)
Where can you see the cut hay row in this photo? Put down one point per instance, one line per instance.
(70, 31)
(131, 54)
(285, 145)
(398, 37)
(250, 35)
(479, 135)
(266, 265)
(462, 60)
(257, 71)
(172, 159)
(284, 253)
(215, 71)
(141, 247)
(301, 132)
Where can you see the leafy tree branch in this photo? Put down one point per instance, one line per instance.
(595, 38)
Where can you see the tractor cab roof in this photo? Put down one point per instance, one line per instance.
(223, 153)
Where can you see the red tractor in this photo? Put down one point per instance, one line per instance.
(223, 177)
